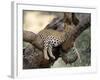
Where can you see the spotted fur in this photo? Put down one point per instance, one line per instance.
(52, 38)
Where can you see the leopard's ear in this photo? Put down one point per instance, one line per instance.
(75, 20)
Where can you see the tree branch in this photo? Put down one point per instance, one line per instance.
(28, 36)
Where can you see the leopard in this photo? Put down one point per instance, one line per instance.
(53, 38)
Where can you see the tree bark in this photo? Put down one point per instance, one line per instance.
(28, 36)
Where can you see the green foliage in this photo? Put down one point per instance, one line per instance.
(83, 44)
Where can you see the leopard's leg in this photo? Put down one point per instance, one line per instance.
(76, 51)
(50, 51)
(45, 52)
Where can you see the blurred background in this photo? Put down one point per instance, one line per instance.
(37, 20)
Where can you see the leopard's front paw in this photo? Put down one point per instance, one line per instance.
(53, 57)
(46, 57)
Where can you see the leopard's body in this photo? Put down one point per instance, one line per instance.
(52, 38)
